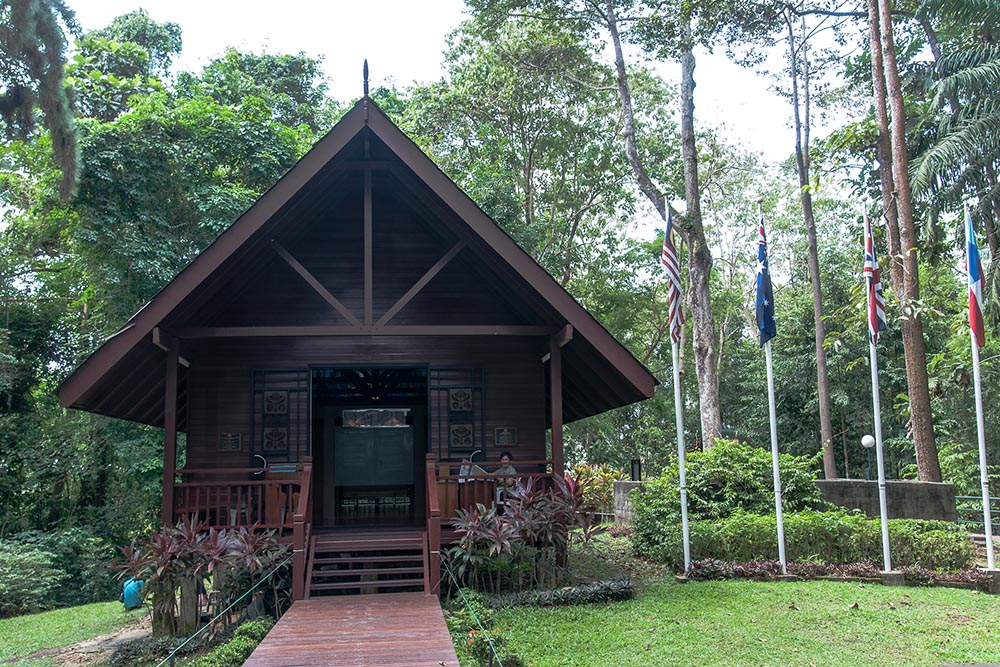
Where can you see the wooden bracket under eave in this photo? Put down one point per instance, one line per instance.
(560, 338)
(166, 342)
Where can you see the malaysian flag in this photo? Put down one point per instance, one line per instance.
(873, 284)
(672, 267)
(975, 268)
(765, 295)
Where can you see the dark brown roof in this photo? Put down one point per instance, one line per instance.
(125, 376)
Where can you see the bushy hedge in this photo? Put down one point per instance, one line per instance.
(235, 652)
(828, 537)
(84, 556)
(730, 477)
(30, 579)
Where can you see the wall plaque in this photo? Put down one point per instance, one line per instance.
(230, 442)
(505, 436)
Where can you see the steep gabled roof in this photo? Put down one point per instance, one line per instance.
(599, 372)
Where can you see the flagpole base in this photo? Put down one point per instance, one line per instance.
(994, 574)
(681, 579)
(893, 578)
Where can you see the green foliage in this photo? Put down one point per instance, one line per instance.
(84, 559)
(828, 537)
(30, 578)
(235, 651)
(613, 590)
(599, 484)
(731, 477)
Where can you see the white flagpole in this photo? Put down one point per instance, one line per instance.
(984, 480)
(882, 503)
(680, 458)
(980, 424)
(774, 459)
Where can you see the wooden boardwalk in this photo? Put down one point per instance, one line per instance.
(388, 629)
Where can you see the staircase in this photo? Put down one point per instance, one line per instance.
(345, 563)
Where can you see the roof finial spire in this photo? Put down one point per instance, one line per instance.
(366, 77)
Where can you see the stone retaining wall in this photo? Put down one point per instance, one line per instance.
(906, 499)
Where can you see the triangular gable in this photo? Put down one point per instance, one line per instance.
(635, 381)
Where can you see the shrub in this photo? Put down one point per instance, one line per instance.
(599, 484)
(731, 477)
(29, 579)
(84, 558)
(824, 537)
(235, 652)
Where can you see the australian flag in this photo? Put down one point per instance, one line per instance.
(765, 296)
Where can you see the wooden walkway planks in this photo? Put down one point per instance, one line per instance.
(387, 630)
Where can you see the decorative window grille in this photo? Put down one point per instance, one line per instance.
(280, 409)
(458, 421)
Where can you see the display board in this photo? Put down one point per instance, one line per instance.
(373, 456)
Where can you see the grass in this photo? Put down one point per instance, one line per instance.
(735, 623)
(23, 635)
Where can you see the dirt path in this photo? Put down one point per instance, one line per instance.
(93, 651)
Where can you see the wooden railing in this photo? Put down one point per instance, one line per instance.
(235, 498)
(464, 487)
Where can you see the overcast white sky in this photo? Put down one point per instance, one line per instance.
(403, 41)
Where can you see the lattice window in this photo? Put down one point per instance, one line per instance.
(280, 427)
(458, 421)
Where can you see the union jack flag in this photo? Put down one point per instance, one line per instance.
(873, 283)
(975, 267)
(672, 267)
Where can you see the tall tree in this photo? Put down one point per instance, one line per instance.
(800, 75)
(32, 51)
(897, 203)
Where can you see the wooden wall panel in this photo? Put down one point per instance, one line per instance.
(219, 383)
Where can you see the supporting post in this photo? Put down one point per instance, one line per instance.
(555, 404)
(169, 437)
(432, 579)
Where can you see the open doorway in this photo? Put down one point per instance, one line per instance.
(369, 428)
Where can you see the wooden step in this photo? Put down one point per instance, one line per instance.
(407, 558)
(376, 545)
(350, 585)
(363, 571)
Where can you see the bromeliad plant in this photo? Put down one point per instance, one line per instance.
(523, 543)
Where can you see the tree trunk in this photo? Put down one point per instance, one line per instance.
(805, 195)
(903, 239)
(700, 260)
(189, 617)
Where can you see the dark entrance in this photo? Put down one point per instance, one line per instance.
(369, 441)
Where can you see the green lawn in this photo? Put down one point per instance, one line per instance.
(753, 623)
(23, 635)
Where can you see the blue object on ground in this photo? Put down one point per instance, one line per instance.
(132, 594)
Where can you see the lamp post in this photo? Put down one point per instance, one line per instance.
(868, 442)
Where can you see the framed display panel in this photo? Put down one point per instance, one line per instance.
(457, 417)
(279, 415)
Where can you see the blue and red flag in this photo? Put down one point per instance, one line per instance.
(765, 294)
(975, 268)
(873, 283)
(672, 267)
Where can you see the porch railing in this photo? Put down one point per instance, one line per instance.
(241, 497)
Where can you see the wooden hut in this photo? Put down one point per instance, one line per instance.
(338, 351)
